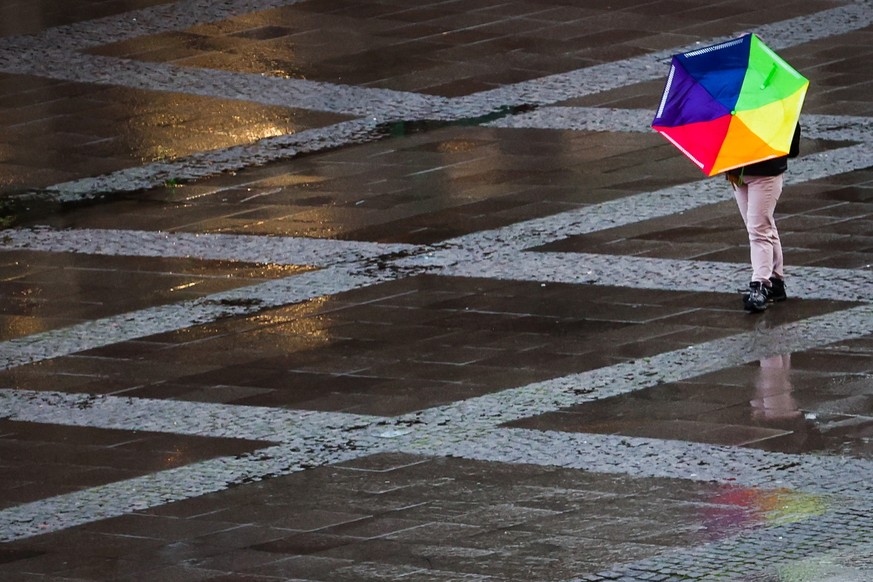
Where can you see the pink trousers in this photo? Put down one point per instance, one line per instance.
(757, 199)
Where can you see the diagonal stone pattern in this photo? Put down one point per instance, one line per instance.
(470, 428)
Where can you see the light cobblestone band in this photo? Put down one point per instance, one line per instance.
(296, 439)
(54, 54)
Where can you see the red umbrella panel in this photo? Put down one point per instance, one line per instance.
(731, 104)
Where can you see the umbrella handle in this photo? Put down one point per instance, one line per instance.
(769, 77)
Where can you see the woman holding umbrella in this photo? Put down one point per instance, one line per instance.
(757, 188)
(734, 107)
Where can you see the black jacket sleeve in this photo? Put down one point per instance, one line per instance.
(795, 143)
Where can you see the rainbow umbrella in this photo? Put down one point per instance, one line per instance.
(731, 104)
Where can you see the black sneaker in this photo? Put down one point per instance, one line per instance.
(757, 298)
(777, 291)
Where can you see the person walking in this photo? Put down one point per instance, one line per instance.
(757, 188)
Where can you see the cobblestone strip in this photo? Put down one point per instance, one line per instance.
(845, 564)
(224, 247)
(252, 87)
(475, 420)
(458, 251)
(166, 318)
(529, 233)
(143, 22)
(118, 498)
(579, 119)
(157, 19)
(34, 58)
(526, 234)
(55, 62)
(178, 417)
(307, 439)
(665, 274)
(213, 162)
(747, 557)
(628, 210)
(469, 428)
(600, 78)
(466, 249)
(123, 497)
(550, 395)
(828, 127)
(649, 458)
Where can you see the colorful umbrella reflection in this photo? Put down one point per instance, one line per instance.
(731, 104)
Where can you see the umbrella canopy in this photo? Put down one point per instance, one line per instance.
(731, 104)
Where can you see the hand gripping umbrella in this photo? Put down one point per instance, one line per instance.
(731, 104)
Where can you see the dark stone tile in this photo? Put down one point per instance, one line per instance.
(53, 290)
(135, 129)
(30, 18)
(410, 344)
(48, 459)
(506, 174)
(306, 543)
(311, 566)
(552, 523)
(791, 403)
(392, 44)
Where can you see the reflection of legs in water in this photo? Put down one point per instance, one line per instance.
(773, 391)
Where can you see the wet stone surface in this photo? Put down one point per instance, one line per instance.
(440, 48)
(416, 189)
(342, 290)
(44, 460)
(428, 517)
(43, 291)
(403, 346)
(18, 18)
(815, 401)
(56, 131)
(819, 225)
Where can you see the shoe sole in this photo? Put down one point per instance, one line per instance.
(749, 306)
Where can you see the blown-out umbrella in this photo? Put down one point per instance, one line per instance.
(731, 104)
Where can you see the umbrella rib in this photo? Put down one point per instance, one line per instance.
(666, 90)
(716, 47)
(683, 150)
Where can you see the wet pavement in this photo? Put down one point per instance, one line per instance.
(341, 290)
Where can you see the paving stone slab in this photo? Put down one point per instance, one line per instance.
(557, 259)
(380, 539)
